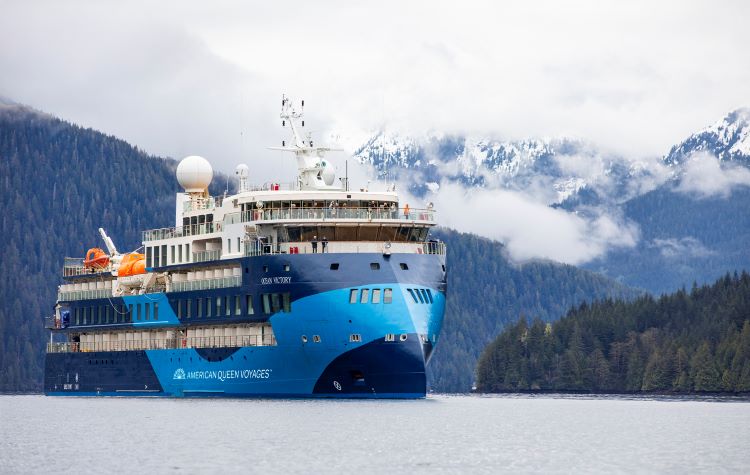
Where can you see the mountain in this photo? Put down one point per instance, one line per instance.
(696, 341)
(687, 208)
(60, 182)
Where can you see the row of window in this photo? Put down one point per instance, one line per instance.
(421, 295)
(104, 314)
(232, 305)
(370, 295)
(373, 266)
(224, 306)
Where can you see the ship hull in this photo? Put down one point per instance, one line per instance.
(297, 365)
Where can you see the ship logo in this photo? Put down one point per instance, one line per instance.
(179, 374)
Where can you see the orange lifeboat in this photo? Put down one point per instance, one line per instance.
(96, 259)
(132, 264)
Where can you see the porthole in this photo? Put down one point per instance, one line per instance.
(403, 337)
(304, 338)
(316, 338)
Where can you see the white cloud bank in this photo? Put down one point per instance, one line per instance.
(706, 176)
(530, 229)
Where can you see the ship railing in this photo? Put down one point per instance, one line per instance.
(288, 186)
(181, 231)
(331, 213)
(73, 266)
(434, 247)
(207, 256)
(200, 204)
(207, 284)
(163, 344)
(51, 322)
(84, 294)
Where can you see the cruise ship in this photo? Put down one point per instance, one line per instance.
(307, 289)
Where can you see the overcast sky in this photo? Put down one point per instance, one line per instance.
(180, 78)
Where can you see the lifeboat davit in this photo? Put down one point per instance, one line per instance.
(96, 259)
(132, 264)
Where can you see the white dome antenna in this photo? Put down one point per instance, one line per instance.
(195, 174)
(243, 172)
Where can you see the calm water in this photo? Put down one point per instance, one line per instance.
(440, 434)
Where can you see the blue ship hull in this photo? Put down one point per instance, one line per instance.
(334, 366)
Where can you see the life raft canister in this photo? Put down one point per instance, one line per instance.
(96, 258)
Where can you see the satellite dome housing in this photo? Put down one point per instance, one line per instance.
(194, 174)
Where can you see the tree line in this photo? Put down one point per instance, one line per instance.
(696, 341)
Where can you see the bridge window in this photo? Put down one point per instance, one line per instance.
(411, 292)
(429, 295)
(387, 295)
(375, 295)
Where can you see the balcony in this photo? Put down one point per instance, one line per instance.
(207, 284)
(158, 344)
(180, 231)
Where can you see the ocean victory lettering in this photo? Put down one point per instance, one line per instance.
(276, 280)
(223, 375)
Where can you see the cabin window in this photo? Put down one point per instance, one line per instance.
(218, 306)
(149, 261)
(189, 312)
(156, 310)
(199, 310)
(387, 295)
(100, 316)
(411, 292)
(180, 307)
(266, 299)
(237, 305)
(375, 295)
(146, 311)
(209, 305)
(239, 248)
(335, 266)
(77, 317)
(249, 304)
(179, 252)
(374, 266)
(108, 315)
(164, 254)
(172, 254)
(138, 311)
(229, 246)
(227, 308)
(404, 266)
(187, 252)
(353, 296)
(364, 296)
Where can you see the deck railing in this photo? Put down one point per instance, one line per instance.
(84, 294)
(73, 266)
(294, 214)
(205, 284)
(169, 343)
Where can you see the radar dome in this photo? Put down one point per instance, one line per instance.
(194, 174)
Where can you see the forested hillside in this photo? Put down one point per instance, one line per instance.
(697, 341)
(61, 182)
(486, 291)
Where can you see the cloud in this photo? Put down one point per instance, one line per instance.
(706, 176)
(528, 228)
(682, 247)
(176, 78)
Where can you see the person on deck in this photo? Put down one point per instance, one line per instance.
(314, 243)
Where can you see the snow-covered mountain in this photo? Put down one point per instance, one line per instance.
(560, 171)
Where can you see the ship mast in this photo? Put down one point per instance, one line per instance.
(313, 171)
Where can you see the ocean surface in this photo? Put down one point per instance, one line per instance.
(441, 434)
